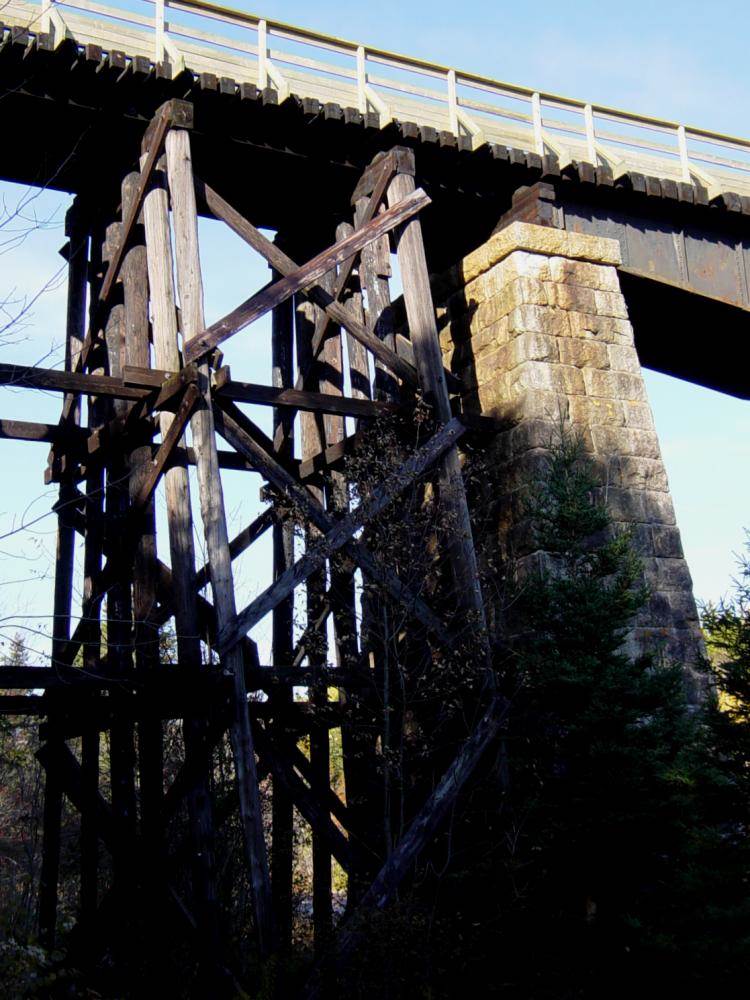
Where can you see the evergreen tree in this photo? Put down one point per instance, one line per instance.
(616, 862)
(727, 628)
(604, 751)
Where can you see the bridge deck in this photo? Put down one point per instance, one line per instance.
(284, 140)
(207, 39)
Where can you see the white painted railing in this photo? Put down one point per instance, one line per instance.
(203, 37)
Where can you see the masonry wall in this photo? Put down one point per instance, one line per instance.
(536, 325)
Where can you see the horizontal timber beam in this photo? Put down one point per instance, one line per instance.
(28, 430)
(312, 402)
(21, 677)
(24, 377)
(31, 377)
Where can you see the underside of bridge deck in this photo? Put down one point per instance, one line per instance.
(72, 117)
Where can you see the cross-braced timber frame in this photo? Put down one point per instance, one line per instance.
(148, 371)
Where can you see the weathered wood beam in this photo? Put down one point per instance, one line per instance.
(29, 430)
(348, 631)
(304, 645)
(171, 112)
(359, 369)
(167, 703)
(61, 759)
(50, 866)
(100, 714)
(221, 209)
(316, 813)
(333, 803)
(76, 229)
(314, 434)
(177, 112)
(187, 257)
(232, 425)
(282, 638)
(312, 402)
(169, 441)
(24, 377)
(265, 300)
(424, 826)
(426, 342)
(341, 533)
(262, 677)
(241, 542)
(139, 533)
(374, 274)
(384, 164)
(329, 458)
(421, 831)
(385, 170)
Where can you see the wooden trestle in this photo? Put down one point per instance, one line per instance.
(149, 371)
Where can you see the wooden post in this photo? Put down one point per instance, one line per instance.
(357, 736)
(122, 746)
(374, 272)
(420, 313)
(313, 433)
(282, 857)
(182, 554)
(50, 869)
(354, 748)
(359, 370)
(181, 185)
(146, 635)
(119, 604)
(76, 230)
(89, 829)
(118, 613)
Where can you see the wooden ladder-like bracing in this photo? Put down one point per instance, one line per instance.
(151, 372)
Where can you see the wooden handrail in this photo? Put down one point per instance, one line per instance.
(479, 120)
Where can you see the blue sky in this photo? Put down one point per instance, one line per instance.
(684, 61)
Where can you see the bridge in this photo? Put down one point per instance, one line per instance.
(547, 248)
(306, 111)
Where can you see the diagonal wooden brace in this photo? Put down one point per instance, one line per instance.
(422, 829)
(61, 757)
(233, 425)
(386, 170)
(159, 461)
(171, 113)
(341, 533)
(316, 813)
(268, 298)
(339, 313)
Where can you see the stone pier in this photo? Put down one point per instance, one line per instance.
(536, 325)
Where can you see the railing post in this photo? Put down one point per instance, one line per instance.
(684, 158)
(51, 22)
(262, 55)
(536, 118)
(362, 79)
(45, 20)
(159, 31)
(452, 101)
(366, 96)
(588, 117)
